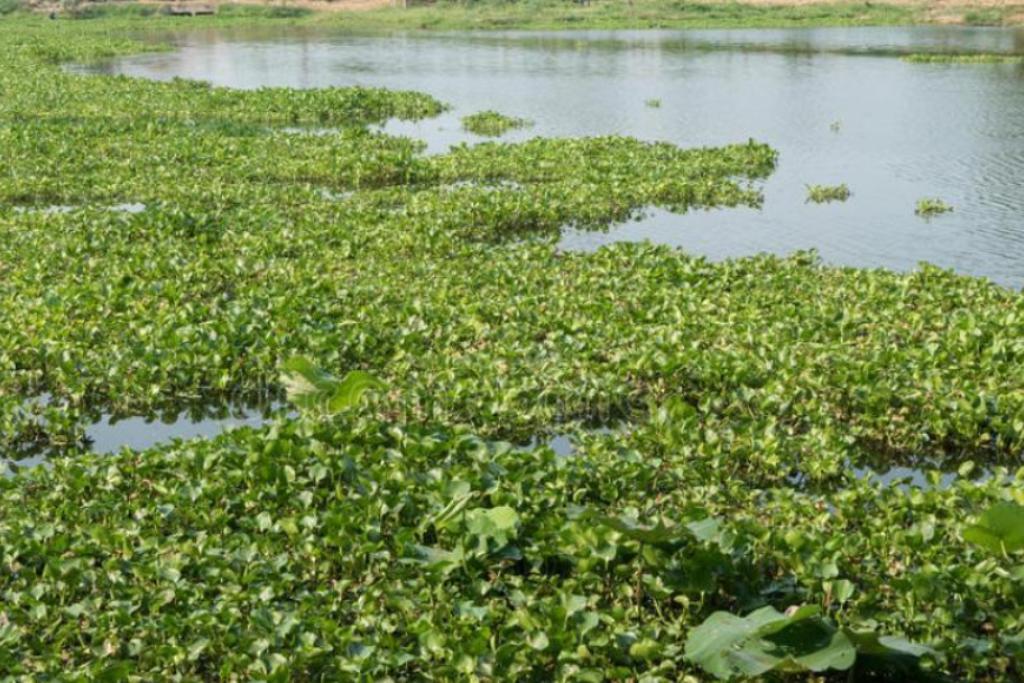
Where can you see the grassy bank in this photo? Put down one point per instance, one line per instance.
(599, 14)
(723, 415)
(641, 14)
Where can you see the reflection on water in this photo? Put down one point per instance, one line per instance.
(127, 207)
(923, 477)
(111, 434)
(905, 131)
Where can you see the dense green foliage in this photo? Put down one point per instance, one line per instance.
(390, 531)
(316, 549)
(492, 123)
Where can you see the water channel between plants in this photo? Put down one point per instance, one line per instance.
(839, 105)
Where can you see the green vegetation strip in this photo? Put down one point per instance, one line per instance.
(536, 14)
(972, 58)
(390, 531)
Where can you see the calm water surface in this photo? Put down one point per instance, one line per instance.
(904, 131)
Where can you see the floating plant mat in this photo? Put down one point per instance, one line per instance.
(393, 531)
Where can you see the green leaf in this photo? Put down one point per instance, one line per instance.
(351, 389)
(812, 645)
(304, 382)
(498, 524)
(539, 641)
(311, 388)
(434, 557)
(657, 534)
(196, 648)
(869, 642)
(706, 530)
(728, 646)
(1000, 528)
(118, 671)
(645, 649)
(450, 511)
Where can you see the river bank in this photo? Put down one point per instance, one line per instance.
(596, 14)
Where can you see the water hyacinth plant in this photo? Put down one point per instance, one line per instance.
(820, 194)
(492, 123)
(928, 207)
(1000, 529)
(409, 520)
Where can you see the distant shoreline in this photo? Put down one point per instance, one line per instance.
(563, 14)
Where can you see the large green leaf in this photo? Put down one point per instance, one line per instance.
(655, 534)
(729, 646)
(311, 388)
(498, 524)
(1000, 528)
(870, 642)
(350, 390)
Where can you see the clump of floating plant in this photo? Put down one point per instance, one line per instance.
(492, 124)
(971, 58)
(931, 206)
(820, 194)
(653, 103)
